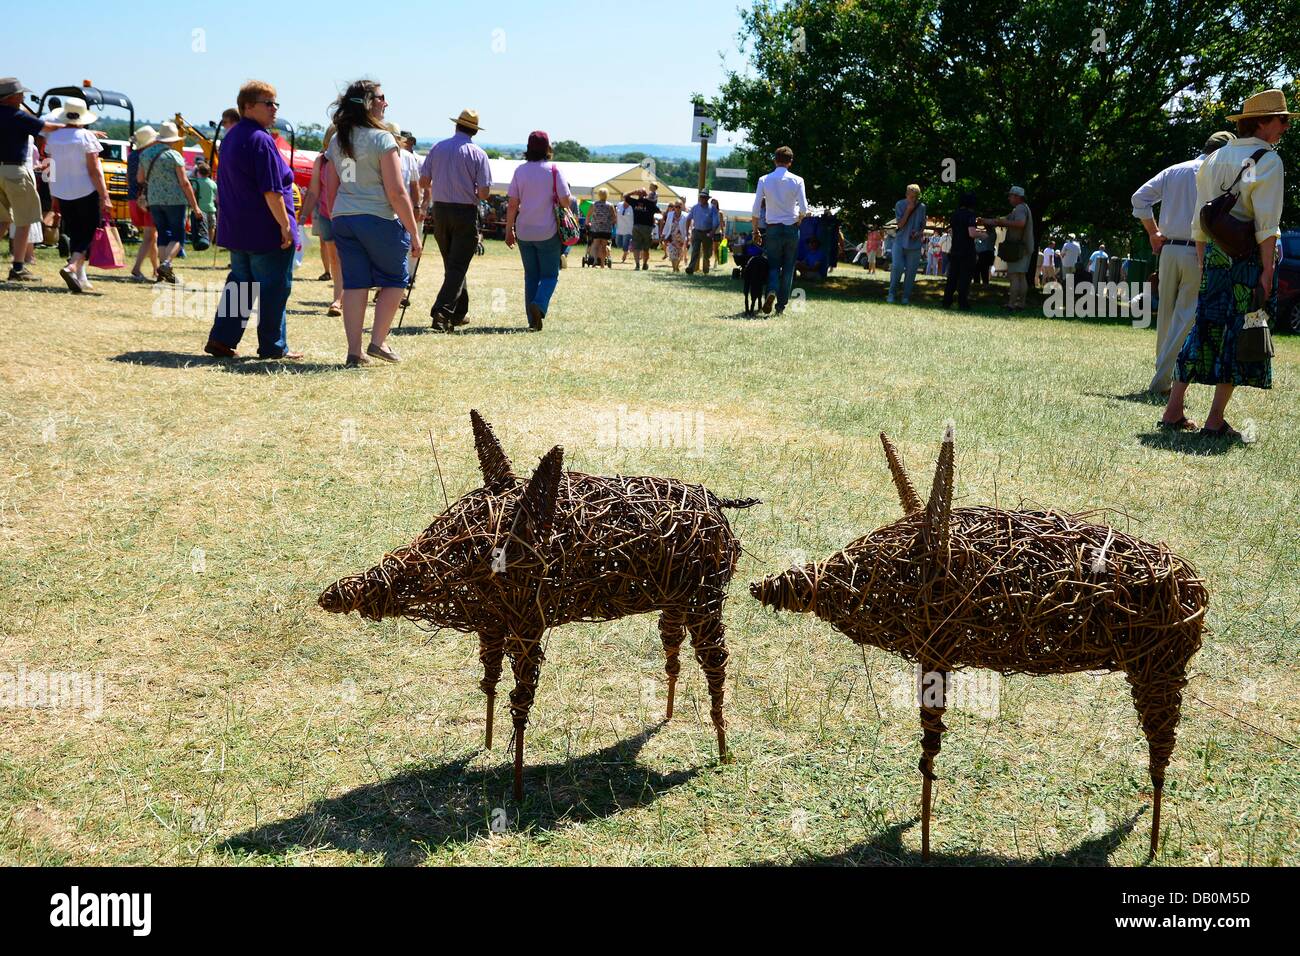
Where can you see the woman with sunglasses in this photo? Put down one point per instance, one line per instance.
(372, 217)
(1233, 287)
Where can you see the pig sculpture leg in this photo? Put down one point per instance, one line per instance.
(526, 658)
(932, 729)
(707, 638)
(1159, 701)
(491, 647)
(672, 631)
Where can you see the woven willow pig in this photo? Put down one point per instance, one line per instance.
(1018, 592)
(515, 557)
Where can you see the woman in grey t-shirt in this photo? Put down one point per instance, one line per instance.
(372, 218)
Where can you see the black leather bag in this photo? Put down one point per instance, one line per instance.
(1234, 236)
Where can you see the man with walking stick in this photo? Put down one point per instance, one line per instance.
(457, 175)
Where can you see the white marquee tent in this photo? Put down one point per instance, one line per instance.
(585, 178)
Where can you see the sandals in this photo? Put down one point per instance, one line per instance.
(1223, 431)
(1183, 424)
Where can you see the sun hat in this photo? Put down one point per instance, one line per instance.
(168, 133)
(704, 192)
(73, 112)
(1017, 191)
(144, 136)
(1266, 103)
(9, 85)
(469, 119)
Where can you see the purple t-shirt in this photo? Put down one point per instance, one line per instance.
(251, 165)
(533, 187)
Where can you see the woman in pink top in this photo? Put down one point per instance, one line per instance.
(320, 197)
(535, 190)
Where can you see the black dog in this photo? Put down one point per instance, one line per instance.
(754, 276)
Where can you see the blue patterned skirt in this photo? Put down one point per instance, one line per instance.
(1209, 355)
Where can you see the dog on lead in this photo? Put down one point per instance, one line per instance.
(754, 276)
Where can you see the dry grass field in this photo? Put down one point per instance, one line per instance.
(167, 522)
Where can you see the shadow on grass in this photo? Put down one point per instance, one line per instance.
(1141, 398)
(886, 849)
(406, 816)
(463, 330)
(244, 366)
(1187, 443)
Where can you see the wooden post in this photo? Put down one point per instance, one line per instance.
(704, 160)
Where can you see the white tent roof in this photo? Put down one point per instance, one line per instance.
(734, 205)
(585, 178)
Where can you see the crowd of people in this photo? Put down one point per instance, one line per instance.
(371, 200)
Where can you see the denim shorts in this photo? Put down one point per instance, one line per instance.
(322, 228)
(170, 221)
(372, 251)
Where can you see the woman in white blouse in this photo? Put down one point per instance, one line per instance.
(1233, 287)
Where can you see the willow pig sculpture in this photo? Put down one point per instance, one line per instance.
(513, 558)
(1029, 592)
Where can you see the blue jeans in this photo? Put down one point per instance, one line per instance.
(907, 259)
(782, 246)
(264, 278)
(541, 270)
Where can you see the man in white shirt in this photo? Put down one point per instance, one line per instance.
(1070, 253)
(781, 194)
(1174, 189)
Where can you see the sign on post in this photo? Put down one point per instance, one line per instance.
(704, 129)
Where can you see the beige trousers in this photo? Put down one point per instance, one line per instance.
(1019, 289)
(1180, 284)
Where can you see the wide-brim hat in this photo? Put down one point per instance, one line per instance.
(468, 119)
(9, 85)
(1267, 103)
(168, 134)
(73, 112)
(144, 136)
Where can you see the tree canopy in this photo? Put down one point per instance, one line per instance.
(1078, 101)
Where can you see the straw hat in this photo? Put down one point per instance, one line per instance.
(469, 119)
(168, 133)
(144, 136)
(73, 112)
(1267, 103)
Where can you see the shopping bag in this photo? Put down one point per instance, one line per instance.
(106, 248)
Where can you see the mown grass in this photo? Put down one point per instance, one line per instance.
(242, 725)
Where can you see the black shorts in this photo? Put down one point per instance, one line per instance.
(601, 235)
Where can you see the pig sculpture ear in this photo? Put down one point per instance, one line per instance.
(538, 502)
(938, 511)
(498, 475)
(907, 495)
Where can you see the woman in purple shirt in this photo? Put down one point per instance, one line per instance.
(535, 191)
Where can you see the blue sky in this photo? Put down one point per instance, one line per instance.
(523, 64)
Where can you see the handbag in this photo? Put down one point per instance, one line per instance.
(199, 237)
(564, 217)
(106, 248)
(1234, 236)
(142, 189)
(1254, 341)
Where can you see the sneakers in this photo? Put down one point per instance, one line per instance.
(18, 273)
(357, 361)
(165, 273)
(382, 352)
(140, 277)
(323, 277)
(767, 303)
(70, 278)
(535, 316)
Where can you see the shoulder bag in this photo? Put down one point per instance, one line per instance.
(1234, 236)
(564, 218)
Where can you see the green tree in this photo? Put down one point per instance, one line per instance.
(566, 150)
(309, 136)
(1079, 101)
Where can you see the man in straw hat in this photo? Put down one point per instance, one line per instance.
(457, 175)
(20, 202)
(1174, 190)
